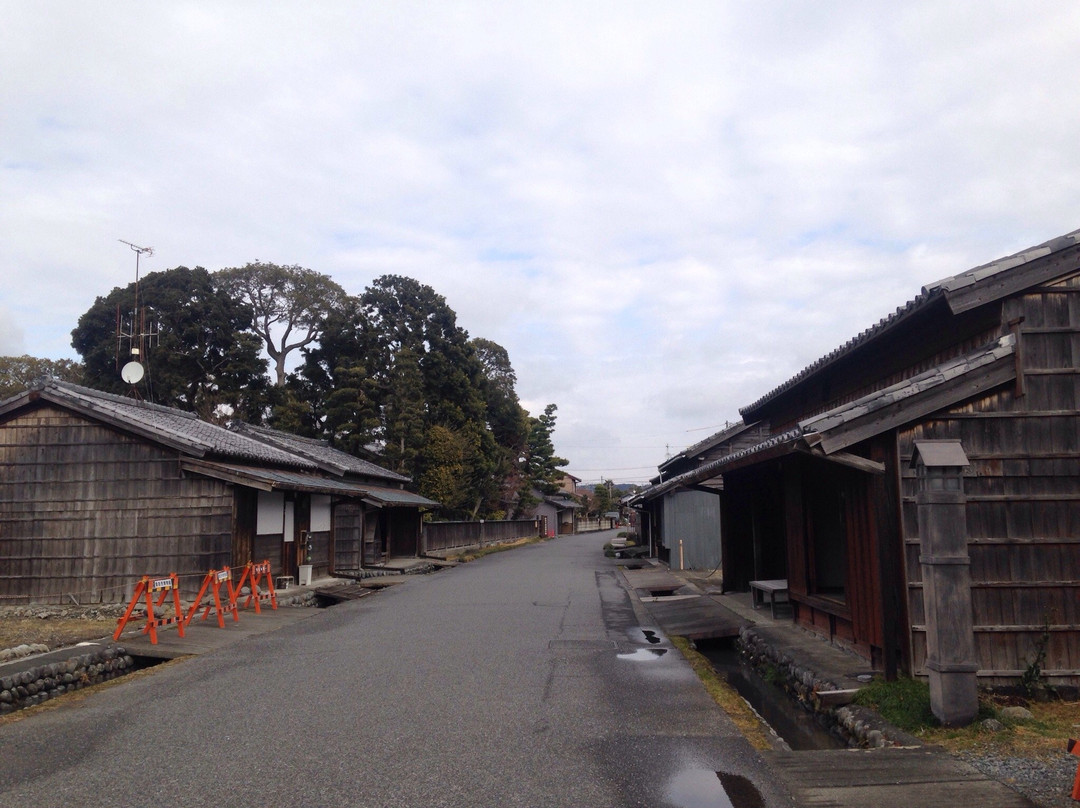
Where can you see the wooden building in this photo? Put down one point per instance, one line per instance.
(97, 490)
(681, 522)
(989, 357)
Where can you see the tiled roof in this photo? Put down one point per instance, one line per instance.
(929, 293)
(715, 467)
(945, 372)
(985, 271)
(316, 483)
(886, 323)
(318, 451)
(184, 430)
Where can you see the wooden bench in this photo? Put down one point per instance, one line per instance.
(758, 590)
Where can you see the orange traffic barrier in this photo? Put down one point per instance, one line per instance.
(212, 584)
(147, 587)
(253, 574)
(1074, 749)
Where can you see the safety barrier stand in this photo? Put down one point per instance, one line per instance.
(147, 587)
(253, 574)
(212, 582)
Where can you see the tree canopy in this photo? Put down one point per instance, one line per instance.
(388, 372)
(289, 304)
(205, 360)
(18, 372)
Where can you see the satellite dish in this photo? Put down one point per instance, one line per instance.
(132, 373)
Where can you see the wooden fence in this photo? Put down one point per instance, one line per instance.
(439, 536)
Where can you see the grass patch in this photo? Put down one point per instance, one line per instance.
(480, 552)
(904, 703)
(1043, 737)
(726, 697)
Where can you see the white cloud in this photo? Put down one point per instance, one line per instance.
(661, 211)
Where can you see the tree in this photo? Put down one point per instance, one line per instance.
(508, 420)
(605, 497)
(542, 471)
(204, 361)
(18, 372)
(393, 368)
(290, 305)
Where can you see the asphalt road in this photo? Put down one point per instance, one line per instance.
(522, 679)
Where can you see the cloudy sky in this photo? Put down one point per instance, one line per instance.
(662, 210)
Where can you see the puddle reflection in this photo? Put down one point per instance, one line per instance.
(701, 788)
(644, 654)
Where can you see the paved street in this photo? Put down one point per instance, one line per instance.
(522, 679)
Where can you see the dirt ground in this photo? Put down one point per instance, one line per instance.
(54, 632)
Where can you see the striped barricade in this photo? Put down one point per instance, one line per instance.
(212, 586)
(147, 588)
(254, 574)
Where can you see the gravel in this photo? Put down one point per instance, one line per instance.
(1046, 783)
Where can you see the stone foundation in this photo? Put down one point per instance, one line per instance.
(857, 726)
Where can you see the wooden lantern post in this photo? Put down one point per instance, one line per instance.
(946, 573)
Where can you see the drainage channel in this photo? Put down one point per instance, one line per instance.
(800, 729)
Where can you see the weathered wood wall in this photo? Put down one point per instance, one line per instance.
(86, 511)
(348, 535)
(1023, 490)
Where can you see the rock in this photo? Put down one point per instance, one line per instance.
(992, 725)
(1017, 713)
(875, 739)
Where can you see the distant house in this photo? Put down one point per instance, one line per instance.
(97, 490)
(681, 523)
(568, 484)
(557, 514)
(989, 357)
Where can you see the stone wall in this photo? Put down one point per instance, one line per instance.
(857, 726)
(52, 679)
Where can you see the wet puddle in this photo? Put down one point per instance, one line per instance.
(701, 788)
(644, 654)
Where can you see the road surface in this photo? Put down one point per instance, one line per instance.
(522, 679)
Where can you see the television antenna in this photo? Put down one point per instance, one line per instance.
(136, 332)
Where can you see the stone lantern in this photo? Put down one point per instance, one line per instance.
(946, 574)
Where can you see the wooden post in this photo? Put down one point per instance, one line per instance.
(950, 635)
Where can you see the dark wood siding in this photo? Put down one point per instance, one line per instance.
(1023, 490)
(348, 535)
(87, 511)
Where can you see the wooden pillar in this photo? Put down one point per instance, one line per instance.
(950, 635)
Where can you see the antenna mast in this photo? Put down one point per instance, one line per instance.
(137, 333)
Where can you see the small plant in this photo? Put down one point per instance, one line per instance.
(773, 675)
(1031, 680)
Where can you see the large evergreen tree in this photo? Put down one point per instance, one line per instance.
(542, 472)
(203, 358)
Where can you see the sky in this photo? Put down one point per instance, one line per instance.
(661, 210)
